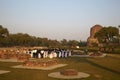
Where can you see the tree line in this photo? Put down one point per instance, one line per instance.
(23, 39)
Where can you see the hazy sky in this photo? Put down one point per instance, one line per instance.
(58, 19)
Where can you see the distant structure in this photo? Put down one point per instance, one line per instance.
(91, 41)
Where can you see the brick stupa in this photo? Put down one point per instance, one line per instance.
(92, 40)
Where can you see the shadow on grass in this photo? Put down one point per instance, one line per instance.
(77, 59)
(102, 67)
(113, 57)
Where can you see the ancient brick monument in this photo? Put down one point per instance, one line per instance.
(92, 40)
(69, 72)
(44, 63)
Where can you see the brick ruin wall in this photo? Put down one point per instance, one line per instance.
(92, 39)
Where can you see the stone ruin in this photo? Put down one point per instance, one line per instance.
(91, 40)
(69, 72)
(25, 58)
(40, 63)
(7, 54)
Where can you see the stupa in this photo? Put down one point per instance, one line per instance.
(91, 39)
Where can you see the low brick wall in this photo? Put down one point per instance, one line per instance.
(40, 63)
(69, 72)
(12, 55)
(23, 57)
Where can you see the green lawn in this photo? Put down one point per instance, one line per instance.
(107, 68)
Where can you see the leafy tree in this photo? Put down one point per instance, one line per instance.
(4, 33)
(54, 44)
(107, 34)
(64, 42)
(73, 43)
(108, 37)
(82, 43)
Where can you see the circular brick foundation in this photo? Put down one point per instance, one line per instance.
(69, 72)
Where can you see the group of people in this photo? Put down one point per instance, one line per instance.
(49, 53)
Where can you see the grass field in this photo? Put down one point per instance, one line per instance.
(107, 68)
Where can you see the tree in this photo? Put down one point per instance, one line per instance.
(82, 43)
(119, 34)
(108, 37)
(73, 43)
(54, 44)
(3, 32)
(64, 42)
(107, 34)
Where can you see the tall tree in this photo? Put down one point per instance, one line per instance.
(107, 34)
(3, 36)
(64, 42)
(3, 31)
(73, 43)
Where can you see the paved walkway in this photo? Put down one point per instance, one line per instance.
(8, 60)
(81, 56)
(58, 75)
(42, 68)
(3, 71)
(103, 55)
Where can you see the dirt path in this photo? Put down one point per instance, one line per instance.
(3, 71)
(42, 68)
(8, 60)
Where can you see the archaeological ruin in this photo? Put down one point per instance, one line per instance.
(91, 39)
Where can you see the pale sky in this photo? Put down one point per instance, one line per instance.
(58, 19)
